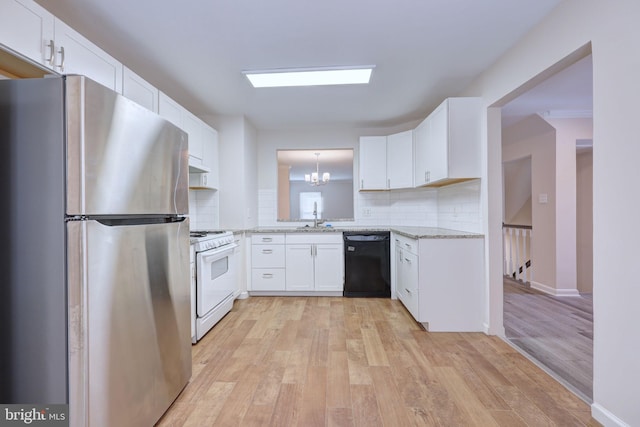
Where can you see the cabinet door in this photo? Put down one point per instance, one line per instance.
(139, 90)
(192, 125)
(409, 284)
(400, 160)
(77, 55)
(170, 110)
(421, 139)
(373, 163)
(437, 145)
(299, 268)
(27, 28)
(329, 267)
(210, 155)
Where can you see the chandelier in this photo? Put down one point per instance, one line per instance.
(313, 178)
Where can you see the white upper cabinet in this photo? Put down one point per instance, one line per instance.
(139, 90)
(210, 157)
(207, 180)
(27, 28)
(192, 125)
(170, 110)
(400, 160)
(373, 163)
(447, 143)
(386, 162)
(77, 55)
(31, 31)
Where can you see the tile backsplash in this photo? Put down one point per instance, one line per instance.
(204, 210)
(455, 207)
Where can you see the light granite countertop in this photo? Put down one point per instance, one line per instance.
(411, 232)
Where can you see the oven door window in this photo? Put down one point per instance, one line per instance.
(218, 268)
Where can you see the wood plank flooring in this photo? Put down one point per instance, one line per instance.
(297, 361)
(556, 331)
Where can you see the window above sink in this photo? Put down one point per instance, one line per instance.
(332, 190)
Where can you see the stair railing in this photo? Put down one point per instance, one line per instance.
(516, 241)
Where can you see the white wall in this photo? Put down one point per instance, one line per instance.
(238, 194)
(534, 138)
(584, 220)
(568, 131)
(611, 28)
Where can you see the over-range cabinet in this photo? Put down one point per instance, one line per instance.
(95, 299)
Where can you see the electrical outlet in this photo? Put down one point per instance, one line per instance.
(366, 212)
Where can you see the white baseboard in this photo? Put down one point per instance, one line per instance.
(243, 295)
(553, 291)
(606, 418)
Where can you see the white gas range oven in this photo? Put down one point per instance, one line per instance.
(214, 289)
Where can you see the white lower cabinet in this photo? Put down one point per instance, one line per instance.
(297, 263)
(442, 284)
(314, 262)
(407, 280)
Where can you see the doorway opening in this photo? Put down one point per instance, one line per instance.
(547, 135)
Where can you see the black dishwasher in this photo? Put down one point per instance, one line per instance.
(367, 271)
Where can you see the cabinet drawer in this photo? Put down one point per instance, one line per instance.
(267, 239)
(314, 238)
(267, 279)
(267, 256)
(406, 243)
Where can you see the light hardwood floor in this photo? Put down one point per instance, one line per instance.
(294, 361)
(556, 331)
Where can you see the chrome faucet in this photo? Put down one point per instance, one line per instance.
(316, 222)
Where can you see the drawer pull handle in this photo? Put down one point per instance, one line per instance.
(267, 239)
(267, 251)
(408, 291)
(267, 276)
(407, 259)
(407, 245)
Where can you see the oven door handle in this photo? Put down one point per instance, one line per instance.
(215, 254)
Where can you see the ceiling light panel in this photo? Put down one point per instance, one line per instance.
(310, 77)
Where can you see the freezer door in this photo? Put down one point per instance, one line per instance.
(130, 330)
(122, 159)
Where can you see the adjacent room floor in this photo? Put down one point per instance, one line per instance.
(556, 331)
(297, 361)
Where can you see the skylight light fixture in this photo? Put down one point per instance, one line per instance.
(310, 76)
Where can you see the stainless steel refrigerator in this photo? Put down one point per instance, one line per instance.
(94, 296)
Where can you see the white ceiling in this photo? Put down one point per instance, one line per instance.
(424, 51)
(566, 94)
